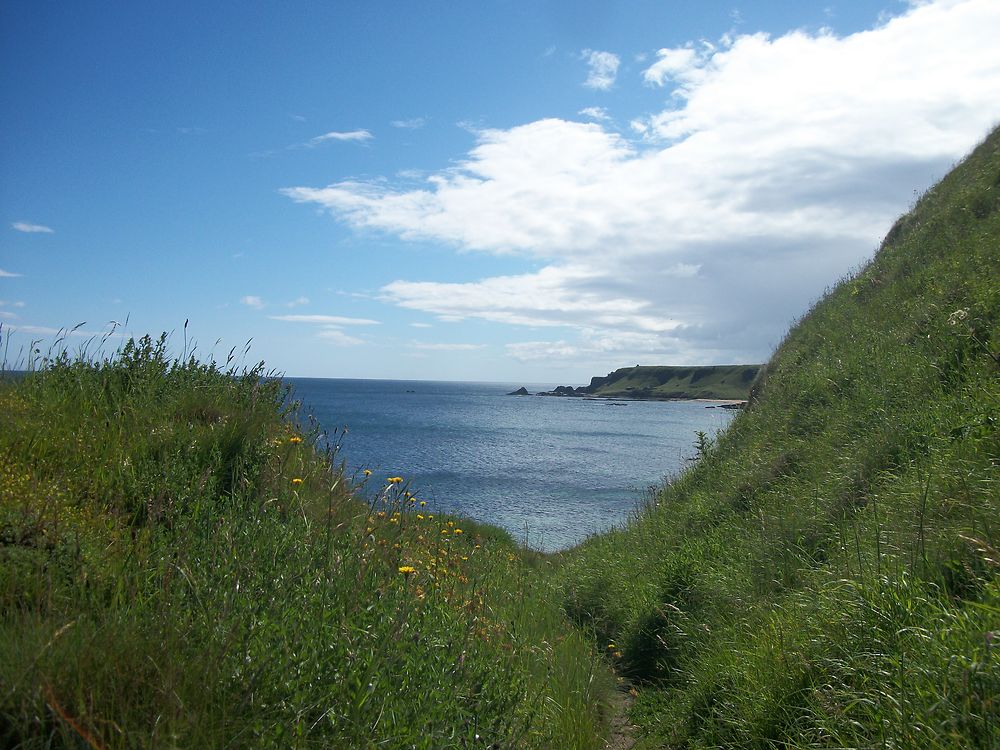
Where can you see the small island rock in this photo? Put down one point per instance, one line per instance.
(522, 391)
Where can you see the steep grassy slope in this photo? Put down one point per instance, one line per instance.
(827, 574)
(718, 382)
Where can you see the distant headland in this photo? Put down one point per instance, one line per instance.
(665, 383)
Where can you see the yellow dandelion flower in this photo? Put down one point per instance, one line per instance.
(444, 531)
(458, 531)
(297, 481)
(394, 480)
(368, 472)
(423, 503)
(294, 440)
(407, 570)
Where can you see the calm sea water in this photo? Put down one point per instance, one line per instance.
(550, 470)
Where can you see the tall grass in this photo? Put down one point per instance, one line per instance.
(180, 567)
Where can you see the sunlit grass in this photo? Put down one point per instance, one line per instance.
(827, 574)
(179, 566)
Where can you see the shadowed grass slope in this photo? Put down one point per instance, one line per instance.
(179, 567)
(826, 575)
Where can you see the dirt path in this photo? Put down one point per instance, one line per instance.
(623, 734)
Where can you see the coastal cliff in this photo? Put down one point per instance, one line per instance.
(654, 382)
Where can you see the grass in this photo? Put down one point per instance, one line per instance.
(180, 565)
(826, 575)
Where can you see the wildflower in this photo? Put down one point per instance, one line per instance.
(294, 440)
(394, 480)
(420, 516)
(407, 570)
(297, 481)
(368, 472)
(958, 315)
(423, 503)
(458, 531)
(444, 531)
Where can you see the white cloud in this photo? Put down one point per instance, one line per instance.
(595, 113)
(603, 69)
(298, 302)
(109, 331)
(8, 315)
(772, 170)
(6, 303)
(411, 124)
(421, 325)
(335, 320)
(431, 347)
(8, 274)
(339, 338)
(252, 300)
(352, 135)
(23, 226)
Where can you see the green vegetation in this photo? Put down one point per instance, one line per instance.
(726, 382)
(181, 567)
(826, 574)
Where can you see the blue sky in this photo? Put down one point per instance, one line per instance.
(505, 191)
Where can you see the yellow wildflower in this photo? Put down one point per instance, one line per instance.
(294, 440)
(458, 531)
(297, 481)
(394, 480)
(368, 472)
(407, 570)
(423, 503)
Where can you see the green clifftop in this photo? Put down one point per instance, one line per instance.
(714, 382)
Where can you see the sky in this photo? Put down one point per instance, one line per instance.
(522, 192)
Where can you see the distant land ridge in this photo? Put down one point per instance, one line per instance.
(722, 382)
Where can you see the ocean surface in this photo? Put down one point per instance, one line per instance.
(549, 470)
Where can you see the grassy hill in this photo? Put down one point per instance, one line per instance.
(827, 573)
(653, 382)
(180, 567)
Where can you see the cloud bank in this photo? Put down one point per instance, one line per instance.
(772, 168)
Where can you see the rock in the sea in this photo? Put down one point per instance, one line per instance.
(522, 391)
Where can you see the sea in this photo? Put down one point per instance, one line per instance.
(550, 470)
